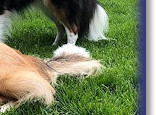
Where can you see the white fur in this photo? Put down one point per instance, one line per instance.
(71, 37)
(5, 23)
(6, 107)
(2, 27)
(71, 49)
(98, 25)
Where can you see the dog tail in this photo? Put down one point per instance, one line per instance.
(98, 25)
(73, 60)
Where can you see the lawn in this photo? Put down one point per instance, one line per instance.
(115, 91)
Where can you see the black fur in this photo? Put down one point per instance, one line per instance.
(14, 4)
(79, 12)
(2, 6)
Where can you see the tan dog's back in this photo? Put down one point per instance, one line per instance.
(12, 60)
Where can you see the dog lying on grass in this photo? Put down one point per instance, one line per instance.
(25, 77)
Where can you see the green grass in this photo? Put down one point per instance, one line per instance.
(115, 91)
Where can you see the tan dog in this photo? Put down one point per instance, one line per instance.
(25, 77)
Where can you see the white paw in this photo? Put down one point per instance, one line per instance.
(6, 107)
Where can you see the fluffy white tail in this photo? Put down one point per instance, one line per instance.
(98, 25)
(73, 60)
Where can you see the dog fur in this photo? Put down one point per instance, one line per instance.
(25, 77)
(77, 18)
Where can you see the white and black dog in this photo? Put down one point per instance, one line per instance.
(75, 17)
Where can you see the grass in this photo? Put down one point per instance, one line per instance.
(115, 91)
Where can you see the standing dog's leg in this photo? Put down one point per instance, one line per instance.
(5, 23)
(71, 36)
(60, 28)
(60, 33)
